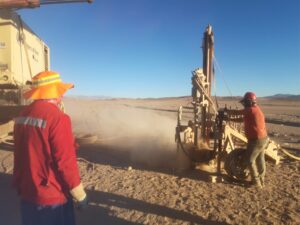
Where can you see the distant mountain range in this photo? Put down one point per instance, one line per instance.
(283, 96)
(100, 97)
(92, 97)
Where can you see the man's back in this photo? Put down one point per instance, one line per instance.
(254, 119)
(45, 162)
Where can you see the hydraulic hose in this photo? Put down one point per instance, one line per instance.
(183, 149)
(289, 154)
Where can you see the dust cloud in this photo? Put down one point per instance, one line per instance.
(148, 136)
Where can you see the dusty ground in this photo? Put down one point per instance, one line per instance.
(132, 172)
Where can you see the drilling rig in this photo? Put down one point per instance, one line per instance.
(22, 55)
(212, 137)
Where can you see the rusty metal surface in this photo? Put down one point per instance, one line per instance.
(9, 4)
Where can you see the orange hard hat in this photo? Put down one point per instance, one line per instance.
(47, 85)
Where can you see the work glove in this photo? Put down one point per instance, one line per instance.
(223, 114)
(83, 204)
(79, 197)
(226, 117)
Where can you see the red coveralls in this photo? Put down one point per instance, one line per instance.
(45, 166)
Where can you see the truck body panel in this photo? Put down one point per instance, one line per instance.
(22, 55)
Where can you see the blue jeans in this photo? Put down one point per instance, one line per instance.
(60, 214)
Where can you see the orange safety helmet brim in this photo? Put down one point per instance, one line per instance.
(47, 85)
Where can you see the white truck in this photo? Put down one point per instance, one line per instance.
(22, 55)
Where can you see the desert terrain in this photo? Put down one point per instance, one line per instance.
(133, 173)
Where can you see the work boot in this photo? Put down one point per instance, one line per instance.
(257, 183)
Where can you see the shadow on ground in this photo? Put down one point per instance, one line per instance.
(109, 199)
(9, 202)
(98, 211)
(7, 146)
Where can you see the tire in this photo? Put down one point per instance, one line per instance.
(86, 139)
(234, 165)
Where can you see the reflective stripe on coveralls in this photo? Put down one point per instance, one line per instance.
(31, 121)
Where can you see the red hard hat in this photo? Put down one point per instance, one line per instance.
(249, 96)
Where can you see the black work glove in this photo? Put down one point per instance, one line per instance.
(226, 117)
(83, 204)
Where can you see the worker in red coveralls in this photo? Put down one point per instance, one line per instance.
(255, 131)
(46, 174)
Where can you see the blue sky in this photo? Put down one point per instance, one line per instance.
(148, 48)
